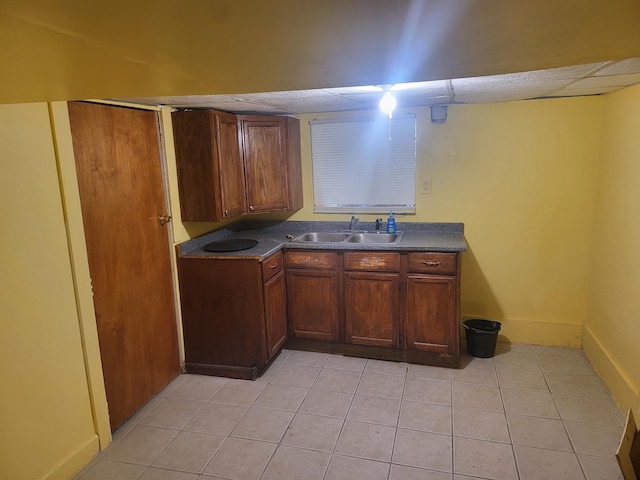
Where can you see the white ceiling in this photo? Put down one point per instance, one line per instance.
(591, 79)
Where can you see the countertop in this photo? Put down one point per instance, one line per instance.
(274, 236)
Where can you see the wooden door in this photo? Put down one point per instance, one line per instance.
(275, 306)
(265, 163)
(372, 308)
(430, 313)
(120, 180)
(313, 304)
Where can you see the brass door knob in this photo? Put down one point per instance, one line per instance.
(164, 218)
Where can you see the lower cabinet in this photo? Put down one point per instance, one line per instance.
(238, 312)
(432, 307)
(391, 305)
(430, 314)
(372, 299)
(313, 295)
(275, 304)
(233, 314)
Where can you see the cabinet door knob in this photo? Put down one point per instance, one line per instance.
(251, 208)
(431, 264)
(226, 213)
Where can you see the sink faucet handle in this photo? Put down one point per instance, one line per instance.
(378, 220)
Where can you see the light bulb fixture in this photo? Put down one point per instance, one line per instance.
(388, 104)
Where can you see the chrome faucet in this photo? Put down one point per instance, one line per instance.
(378, 221)
(353, 224)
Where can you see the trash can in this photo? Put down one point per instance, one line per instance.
(482, 336)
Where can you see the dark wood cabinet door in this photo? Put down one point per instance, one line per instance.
(275, 305)
(222, 316)
(211, 179)
(264, 147)
(430, 313)
(229, 166)
(372, 308)
(313, 304)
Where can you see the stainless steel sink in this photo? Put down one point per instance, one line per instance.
(349, 237)
(322, 237)
(375, 238)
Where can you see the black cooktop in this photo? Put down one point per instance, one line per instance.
(232, 245)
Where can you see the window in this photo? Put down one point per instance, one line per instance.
(364, 165)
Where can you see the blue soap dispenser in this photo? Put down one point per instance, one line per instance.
(391, 224)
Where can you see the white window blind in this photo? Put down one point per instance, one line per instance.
(364, 166)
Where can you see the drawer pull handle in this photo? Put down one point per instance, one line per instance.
(274, 266)
(431, 264)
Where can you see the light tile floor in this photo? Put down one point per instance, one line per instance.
(528, 413)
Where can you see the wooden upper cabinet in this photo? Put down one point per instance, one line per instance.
(271, 147)
(211, 177)
(264, 158)
(231, 165)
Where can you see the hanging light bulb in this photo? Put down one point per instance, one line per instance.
(388, 104)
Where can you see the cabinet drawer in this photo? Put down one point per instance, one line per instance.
(372, 261)
(432, 262)
(310, 259)
(272, 265)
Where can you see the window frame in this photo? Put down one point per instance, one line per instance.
(325, 160)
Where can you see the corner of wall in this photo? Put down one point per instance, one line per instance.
(611, 374)
(76, 461)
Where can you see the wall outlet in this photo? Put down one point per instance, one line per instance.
(426, 186)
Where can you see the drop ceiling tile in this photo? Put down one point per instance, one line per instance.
(283, 96)
(607, 81)
(186, 100)
(412, 99)
(630, 65)
(500, 96)
(317, 104)
(579, 92)
(504, 88)
(354, 90)
(589, 79)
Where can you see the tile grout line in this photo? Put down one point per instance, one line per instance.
(601, 396)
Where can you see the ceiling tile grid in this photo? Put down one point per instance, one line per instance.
(579, 80)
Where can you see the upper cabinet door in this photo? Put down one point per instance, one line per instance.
(210, 166)
(264, 146)
(230, 165)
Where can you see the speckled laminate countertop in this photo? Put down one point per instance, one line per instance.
(274, 236)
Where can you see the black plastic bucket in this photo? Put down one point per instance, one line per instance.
(482, 336)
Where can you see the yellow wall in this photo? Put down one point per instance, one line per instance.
(520, 176)
(47, 429)
(612, 330)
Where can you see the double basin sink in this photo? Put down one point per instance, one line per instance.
(351, 237)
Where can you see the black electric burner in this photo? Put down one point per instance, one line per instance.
(232, 245)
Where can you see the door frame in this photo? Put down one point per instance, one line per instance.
(61, 132)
